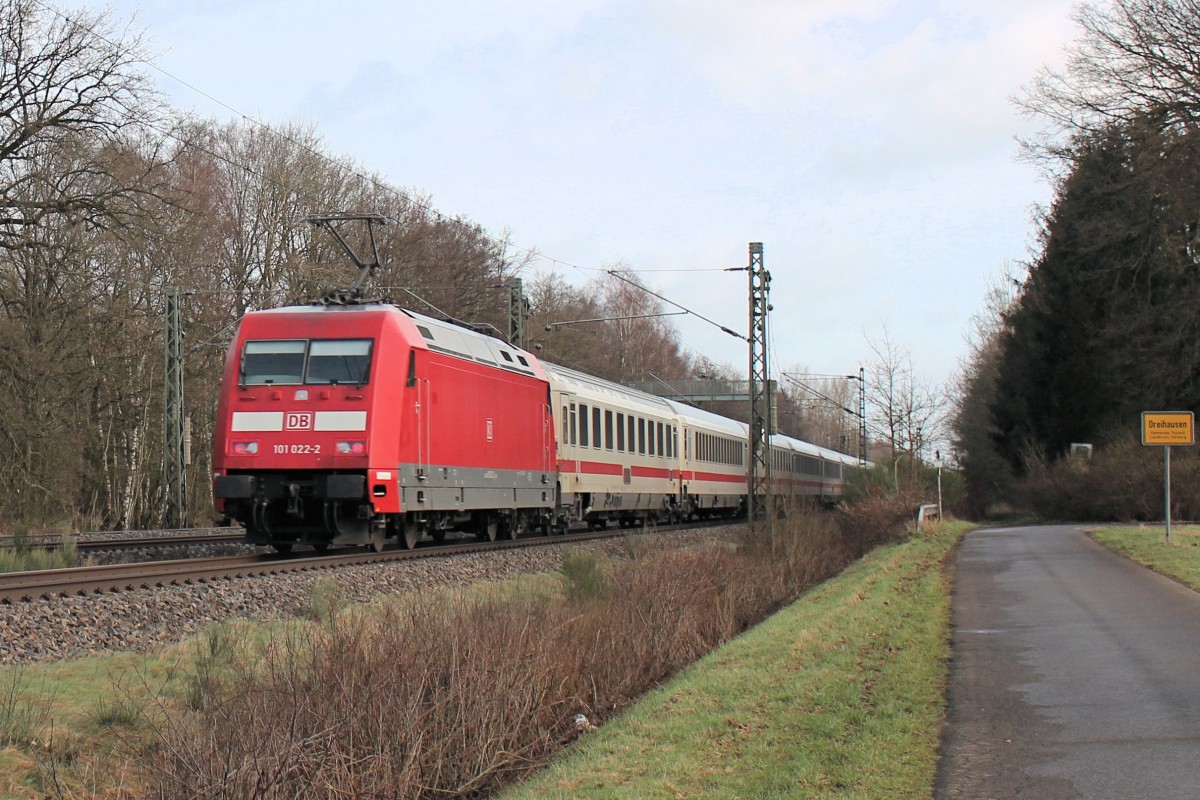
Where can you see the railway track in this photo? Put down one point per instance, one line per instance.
(17, 587)
(130, 543)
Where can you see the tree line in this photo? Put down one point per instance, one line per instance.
(1102, 326)
(108, 196)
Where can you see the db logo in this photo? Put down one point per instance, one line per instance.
(298, 421)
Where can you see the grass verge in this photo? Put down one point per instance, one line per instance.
(840, 694)
(460, 693)
(1147, 546)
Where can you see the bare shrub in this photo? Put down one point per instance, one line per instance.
(878, 518)
(1122, 481)
(456, 695)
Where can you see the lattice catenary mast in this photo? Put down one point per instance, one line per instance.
(758, 474)
(517, 306)
(175, 513)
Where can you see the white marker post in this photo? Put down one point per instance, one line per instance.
(1168, 428)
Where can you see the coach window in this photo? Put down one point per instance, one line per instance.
(641, 436)
(620, 433)
(266, 362)
(583, 425)
(572, 424)
(650, 438)
(631, 433)
(596, 428)
(608, 429)
(660, 439)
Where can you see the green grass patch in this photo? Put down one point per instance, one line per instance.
(1147, 545)
(839, 695)
(21, 556)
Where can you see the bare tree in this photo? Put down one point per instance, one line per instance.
(906, 411)
(66, 85)
(818, 408)
(1133, 57)
(641, 344)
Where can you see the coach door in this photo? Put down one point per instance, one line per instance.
(549, 458)
(567, 412)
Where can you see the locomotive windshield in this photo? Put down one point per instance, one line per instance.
(317, 362)
(273, 362)
(338, 361)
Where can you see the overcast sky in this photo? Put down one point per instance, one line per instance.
(869, 144)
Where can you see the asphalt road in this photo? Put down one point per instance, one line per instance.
(1076, 674)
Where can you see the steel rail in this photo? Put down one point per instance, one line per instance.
(159, 541)
(84, 544)
(45, 584)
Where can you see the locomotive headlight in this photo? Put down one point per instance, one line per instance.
(244, 448)
(352, 448)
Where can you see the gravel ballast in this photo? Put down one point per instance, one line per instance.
(140, 620)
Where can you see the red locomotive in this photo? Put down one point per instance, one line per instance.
(349, 424)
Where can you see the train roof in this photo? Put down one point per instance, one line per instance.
(447, 337)
(698, 416)
(589, 386)
(439, 335)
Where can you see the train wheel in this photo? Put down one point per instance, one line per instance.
(508, 530)
(377, 540)
(412, 535)
(486, 528)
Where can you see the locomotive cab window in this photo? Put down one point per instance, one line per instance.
(273, 362)
(338, 361)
